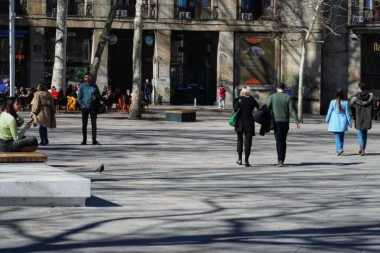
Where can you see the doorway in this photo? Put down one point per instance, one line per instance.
(120, 63)
(193, 67)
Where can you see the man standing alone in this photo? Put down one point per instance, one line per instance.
(148, 90)
(362, 106)
(87, 95)
(282, 106)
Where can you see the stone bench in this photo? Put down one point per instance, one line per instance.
(17, 157)
(37, 184)
(181, 115)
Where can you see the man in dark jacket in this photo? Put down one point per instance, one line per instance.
(148, 90)
(87, 95)
(281, 105)
(362, 106)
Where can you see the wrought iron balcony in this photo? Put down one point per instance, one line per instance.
(75, 8)
(366, 16)
(149, 11)
(250, 14)
(129, 11)
(194, 12)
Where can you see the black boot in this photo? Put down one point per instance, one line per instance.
(246, 162)
(239, 161)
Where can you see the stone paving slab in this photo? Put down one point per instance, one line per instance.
(175, 187)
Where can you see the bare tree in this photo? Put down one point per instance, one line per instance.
(103, 41)
(135, 111)
(59, 68)
(307, 21)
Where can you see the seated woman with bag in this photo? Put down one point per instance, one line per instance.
(10, 139)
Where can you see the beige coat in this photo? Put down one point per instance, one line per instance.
(43, 109)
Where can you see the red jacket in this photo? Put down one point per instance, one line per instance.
(222, 92)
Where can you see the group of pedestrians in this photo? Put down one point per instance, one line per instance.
(280, 108)
(339, 117)
(280, 104)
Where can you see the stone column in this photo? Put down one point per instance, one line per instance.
(165, 9)
(36, 7)
(161, 65)
(102, 79)
(225, 65)
(227, 9)
(37, 60)
(100, 8)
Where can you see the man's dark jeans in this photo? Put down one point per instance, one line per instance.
(281, 130)
(93, 115)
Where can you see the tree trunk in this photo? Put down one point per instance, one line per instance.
(300, 81)
(102, 42)
(135, 111)
(59, 69)
(305, 40)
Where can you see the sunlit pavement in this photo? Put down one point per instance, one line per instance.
(175, 187)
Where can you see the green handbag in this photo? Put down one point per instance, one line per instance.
(234, 117)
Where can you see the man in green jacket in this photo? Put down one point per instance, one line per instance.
(282, 106)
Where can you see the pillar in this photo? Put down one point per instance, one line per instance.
(161, 65)
(37, 59)
(225, 67)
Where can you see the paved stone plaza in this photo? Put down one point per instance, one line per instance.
(175, 187)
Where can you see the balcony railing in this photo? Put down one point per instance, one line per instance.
(366, 16)
(75, 8)
(194, 12)
(20, 7)
(129, 11)
(250, 14)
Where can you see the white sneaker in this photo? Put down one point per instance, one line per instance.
(339, 153)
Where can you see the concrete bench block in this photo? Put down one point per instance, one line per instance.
(181, 115)
(37, 184)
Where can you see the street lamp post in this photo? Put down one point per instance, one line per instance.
(12, 17)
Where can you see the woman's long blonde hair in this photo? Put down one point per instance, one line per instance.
(245, 92)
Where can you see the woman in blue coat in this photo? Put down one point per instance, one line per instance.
(339, 119)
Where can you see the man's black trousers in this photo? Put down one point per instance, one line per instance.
(93, 115)
(281, 130)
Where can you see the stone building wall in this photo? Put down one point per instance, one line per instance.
(228, 25)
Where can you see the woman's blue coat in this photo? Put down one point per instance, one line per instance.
(338, 120)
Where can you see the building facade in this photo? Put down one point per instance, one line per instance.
(189, 47)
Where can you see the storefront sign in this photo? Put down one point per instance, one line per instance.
(149, 40)
(257, 61)
(20, 57)
(376, 47)
(20, 34)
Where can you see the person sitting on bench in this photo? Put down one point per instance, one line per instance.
(10, 139)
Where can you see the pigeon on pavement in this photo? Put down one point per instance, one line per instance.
(100, 169)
